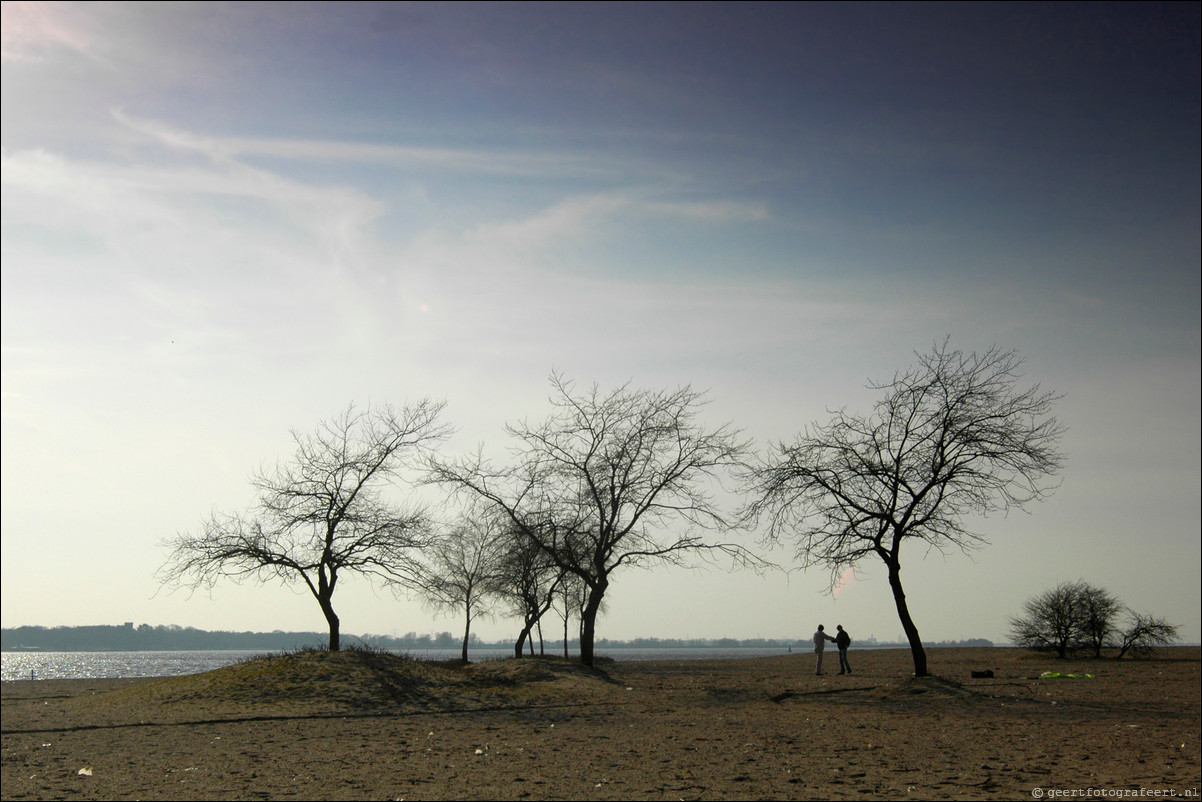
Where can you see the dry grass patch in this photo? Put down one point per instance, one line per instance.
(320, 683)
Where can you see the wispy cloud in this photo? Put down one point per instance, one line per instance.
(573, 215)
(109, 194)
(30, 31)
(561, 164)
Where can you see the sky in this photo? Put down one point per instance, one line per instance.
(223, 222)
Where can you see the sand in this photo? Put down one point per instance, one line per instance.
(364, 726)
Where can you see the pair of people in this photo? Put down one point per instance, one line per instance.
(842, 641)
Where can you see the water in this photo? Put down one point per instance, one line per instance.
(103, 665)
(95, 665)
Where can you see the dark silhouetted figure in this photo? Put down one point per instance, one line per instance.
(843, 640)
(820, 639)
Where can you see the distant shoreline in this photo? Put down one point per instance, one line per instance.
(145, 638)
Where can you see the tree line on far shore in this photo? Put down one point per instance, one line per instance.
(146, 638)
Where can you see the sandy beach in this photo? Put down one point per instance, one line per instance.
(374, 726)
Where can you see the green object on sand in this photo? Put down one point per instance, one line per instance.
(1058, 675)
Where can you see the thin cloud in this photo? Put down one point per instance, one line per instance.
(573, 216)
(110, 196)
(487, 162)
(462, 160)
(710, 211)
(30, 31)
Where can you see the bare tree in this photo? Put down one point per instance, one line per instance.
(1077, 615)
(1099, 611)
(952, 436)
(324, 513)
(610, 481)
(1144, 633)
(1055, 619)
(527, 583)
(571, 599)
(463, 566)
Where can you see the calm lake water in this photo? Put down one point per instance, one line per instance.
(102, 665)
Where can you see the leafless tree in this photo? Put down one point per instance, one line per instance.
(1054, 619)
(1077, 615)
(611, 481)
(527, 583)
(571, 598)
(1099, 614)
(952, 436)
(1144, 633)
(324, 513)
(463, 566)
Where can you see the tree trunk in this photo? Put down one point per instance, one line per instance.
(521, 641)
(587, 627)
(588, 623)
(325, 598)
(467, 628)
(903, 612)
(327, 609)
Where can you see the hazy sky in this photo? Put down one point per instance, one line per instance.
(225, 221)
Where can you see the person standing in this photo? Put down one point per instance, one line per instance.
(843, 640)
(820, 639)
